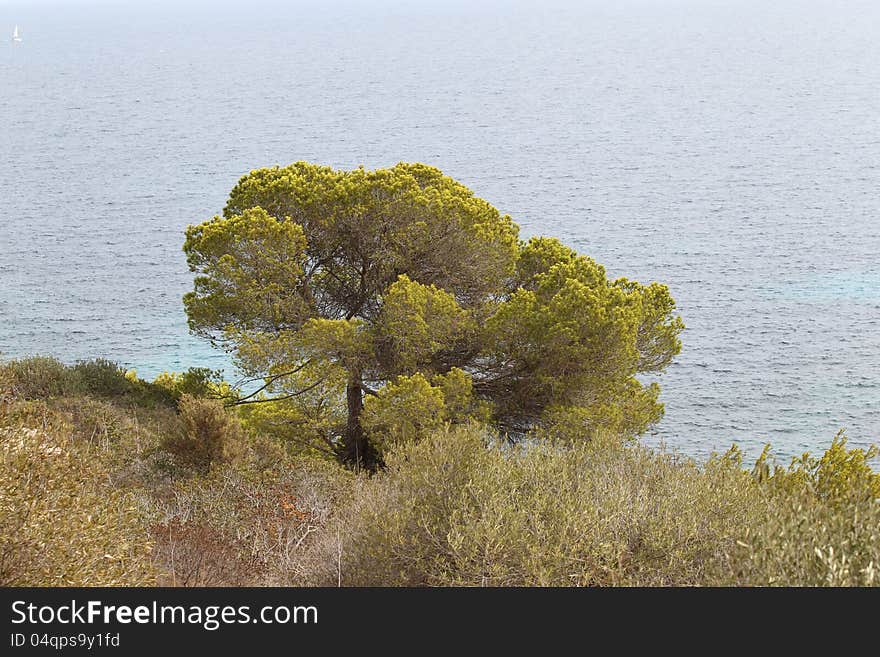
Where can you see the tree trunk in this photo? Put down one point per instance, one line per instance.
(357, 451)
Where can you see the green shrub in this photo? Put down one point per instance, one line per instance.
(43, 377)
(460, 509)
(413, 407)
(37, 377)
(823, 524)
(206, 432)
(839, 476)
(103, 378)
(804, 542)
(196, 382)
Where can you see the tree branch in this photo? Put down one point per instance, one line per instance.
(248, 400)
(268, 381)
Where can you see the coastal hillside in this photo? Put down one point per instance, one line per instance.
(107, 479)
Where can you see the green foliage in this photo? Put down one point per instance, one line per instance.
(411, 408)
(207, 431)
(195, 382)
(459, 508)
(250, 265)
(85, 498)
(420, 327)
(344, 343)
(36, 377)
(631, 410)
(570, 341)
(363, 228)
(40, 377)
(351, 282)
(404, 411)
(460, 403)
(834, 478)
(103, 378)
(824, 524)
(308, 424)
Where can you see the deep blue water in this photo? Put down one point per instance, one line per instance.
(730, 149)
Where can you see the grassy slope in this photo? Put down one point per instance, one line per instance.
(108, 481)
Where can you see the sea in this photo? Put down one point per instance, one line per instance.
(728, 148)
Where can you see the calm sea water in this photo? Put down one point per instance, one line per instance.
(730, 149)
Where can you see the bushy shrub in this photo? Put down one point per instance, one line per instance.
(37, 377)
(823, 524)
(43, 377)
(462, 509)
(206, 432)
(196, 382)
(804, 542)
(103, 378)
(413, 407)
(252, 517)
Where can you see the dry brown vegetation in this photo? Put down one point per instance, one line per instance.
(107, 480)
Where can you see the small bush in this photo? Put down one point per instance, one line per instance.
(103, 378)
(206, 431)
(37, 377)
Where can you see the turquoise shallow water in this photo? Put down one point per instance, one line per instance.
(728, 148)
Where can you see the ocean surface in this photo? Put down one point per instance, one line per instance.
(729, 149)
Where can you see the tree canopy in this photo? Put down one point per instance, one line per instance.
(374, 305)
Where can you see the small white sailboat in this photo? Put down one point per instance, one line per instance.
(16, 36)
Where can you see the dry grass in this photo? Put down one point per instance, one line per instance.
(61, 522)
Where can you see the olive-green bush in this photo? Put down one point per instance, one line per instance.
(823, 525)
(206, 431)
(462, 509)
(42, 377)
(457, 509)
(36, 377)
(196, 381)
